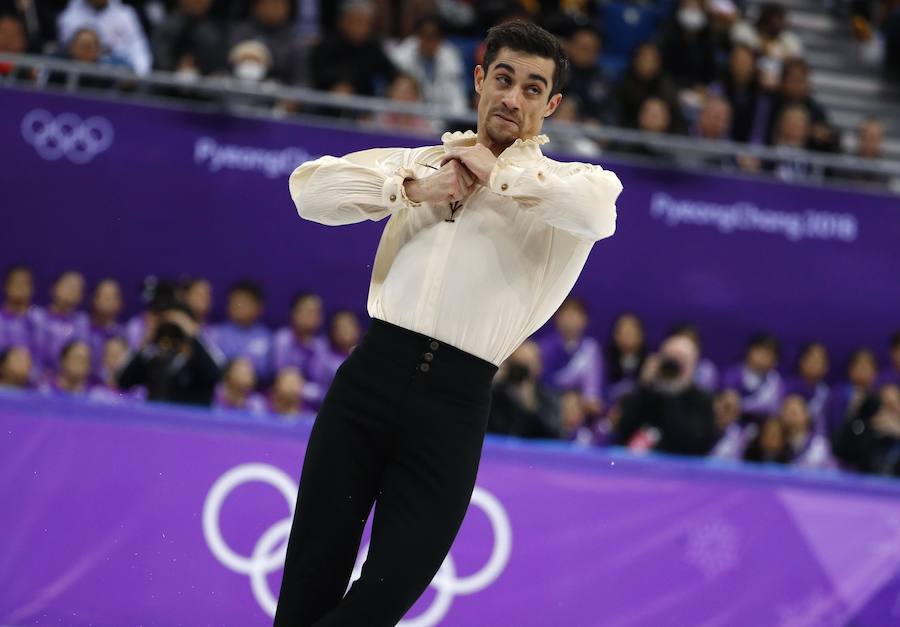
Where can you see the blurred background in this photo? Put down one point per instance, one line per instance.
(719, 397)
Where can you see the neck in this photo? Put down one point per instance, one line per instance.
(68, 384)
(233, 396)
(285, 406)
(15, 308)
(494, 147)
(60, 309)
(103, 320)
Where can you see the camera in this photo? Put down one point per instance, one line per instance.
(517, 372)
(669, 369)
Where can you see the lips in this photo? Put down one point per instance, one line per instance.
(506, 118)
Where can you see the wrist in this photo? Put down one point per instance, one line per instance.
(412, 189)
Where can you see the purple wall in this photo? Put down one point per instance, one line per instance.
(128, 190)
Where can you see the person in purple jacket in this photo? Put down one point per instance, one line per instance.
(301, 343)
(733, 436)
(236, 391)
(847, 397)
(572, 359)
(807, 446)
(756, 380)
(20, 320)
(809, 383)
(286, 395)
(73, 377)
(343, 336)
(196, 293)
(106, 306)
(64, 321)
(892, 374)
(15, 367)
(244, 335)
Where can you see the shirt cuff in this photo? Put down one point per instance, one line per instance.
(393, 193)
(503, 177)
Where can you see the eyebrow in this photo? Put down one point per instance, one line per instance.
(511, 70)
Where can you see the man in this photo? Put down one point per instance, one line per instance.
(243, 334)
(521, 405)
(587, 83)
(486, 238)
(116, 25)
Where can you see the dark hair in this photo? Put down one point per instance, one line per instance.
(576, 302)
(689, 330)
(863, 352)
(65, 273)
(301, 296)
(430, 19)
(793, 63)
(895, 339)
(530, 39)
(765, 340)
(68, 346)
(17, 268)
(251, 288)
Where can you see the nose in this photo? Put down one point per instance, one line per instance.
(512, 99)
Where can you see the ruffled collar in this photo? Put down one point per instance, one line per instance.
(521, 149)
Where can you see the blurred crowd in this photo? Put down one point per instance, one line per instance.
(562, 384)
(710, 69)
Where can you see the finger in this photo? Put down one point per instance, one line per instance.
(465, 177)
(450, 156)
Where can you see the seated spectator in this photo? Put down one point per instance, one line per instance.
(869, 145)
(770, 445)
(623, 356)
(106, 305)
(706, 374)
(869, 440)
(404, 89)
(64, 321)
(116, 25)
(770, 39)
(105, 388)
(20, 320)
(655, 118)
(250, 62)
(73, 376)
(667, 412)
(85, 46)
(792, 135)
(196, 293)
(243, 335)
(891, 374)
(577, 427)
(809, 382)
(573, 360)
(301, 343)
(13, 40)
(644, 79)
(587, 82)
(847, 397)
(173, 364)
(572, 141)
(740, 86)
(687, 46)
(435, 64)
(343, 336)
(271, 26)
(733, 436)
(714, 122)
(757, 380)
(795, 90)
(15, 367)
(807, 447)
(236, 391)
(189, 41)
(521, 405)
(352, 55)
(286, 395)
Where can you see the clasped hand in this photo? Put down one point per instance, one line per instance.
(461, 169)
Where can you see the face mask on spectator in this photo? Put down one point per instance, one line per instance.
(250, 71)
(692, 19)
(187, 75)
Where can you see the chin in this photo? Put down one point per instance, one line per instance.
(501, 136)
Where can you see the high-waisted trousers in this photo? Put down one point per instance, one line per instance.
(401, 427)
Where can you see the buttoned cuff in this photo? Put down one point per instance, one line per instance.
(393, 193)
(503, 178)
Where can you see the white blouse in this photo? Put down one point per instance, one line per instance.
(482, 277)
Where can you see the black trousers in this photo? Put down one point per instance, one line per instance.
(401, 426)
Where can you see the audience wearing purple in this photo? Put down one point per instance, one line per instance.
(64, 321)
(15, 367)
(20, 320)
(237, 389)
(706, 374)
(624, 356)
(809, 383)
(243, 335)
(848, 397)
(106, 307)
(756, 380)
(301, 344)
(286, 395)
(343, 335)
(72, 377)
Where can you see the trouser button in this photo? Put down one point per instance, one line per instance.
(434, 345)
(424, 367)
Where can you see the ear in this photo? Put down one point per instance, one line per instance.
(552, 104)
(479, 79)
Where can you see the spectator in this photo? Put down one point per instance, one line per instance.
(869, 440)
(573, 360)
(286, 396)
(105, 389)
(115, 23)
(848, 397)
(20, 320)
(667, 411)
(15, 367)
(770, 445)
(64, 322)
(687, 46)
(243, 335)
(770, 39)
(236, 391)
(196, 293)
(572, 141)
(740, 86)
(173, 364)
(74, 373)
(577, 426)
(521, 405)
(733, 436)
(714, 122)
(106, 305)
(654, 118)
(794, 90)
(809, 383)
(351, 55)
(13, 40)
(869, 145)
(891, 374)
(756, 380)
(435, 64)
(404, 89)
(706, 374)
(343, 336)
(250, 62)
(807, 447)
(624, 355)
(270, 25)
(587, 82)
(792, 134)
(644, 79)
(189, 41)
(85, 46)
(300, 344)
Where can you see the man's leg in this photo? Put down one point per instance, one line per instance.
(423, 497)
(341, 470)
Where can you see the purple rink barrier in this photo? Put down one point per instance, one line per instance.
(151, 515)
(132, 190)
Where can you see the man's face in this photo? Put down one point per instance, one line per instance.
(654, 116)
(863, 371)
(794, 413)
(715, 119)
(19, 287)
(514, 96)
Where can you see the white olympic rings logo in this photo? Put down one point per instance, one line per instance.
(66, 135)
(268, 554)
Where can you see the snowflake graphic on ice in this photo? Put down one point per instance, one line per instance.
(713, 547)
(817, 609)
